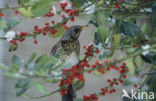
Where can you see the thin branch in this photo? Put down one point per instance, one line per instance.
(3, 38)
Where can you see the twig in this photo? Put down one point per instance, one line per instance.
(3, 38)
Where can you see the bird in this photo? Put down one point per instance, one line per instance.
(67, 50)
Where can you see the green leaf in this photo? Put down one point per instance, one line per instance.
(77, 84)
(51, 60)
(138, 61)
(60, 31)
(115, 43)
(21, 91)
(41, 7)
(32, 57)
(30, 66)
(13, 22)
(128, 28)
(130, 65)
(101, 16)
(149, 58)
(16, 60)
(153, 25)
(42, 60)
(97, 73)
(22, 83)
(22, 2)
(79, 99)
(102, 33)
(4, 67)
(13, 75)
(40, 88)
(130, 50)
(78, 3)
(154, 8)
(26, 12)
(2, 24)
(145, 28)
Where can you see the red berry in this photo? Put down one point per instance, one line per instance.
(53, 22)
(1, 14)
(72, 19)
(35, 42)
(63, 16)
(16, 12)
(108, 80)
(72, 4)
(66, 27)
(135, 86)
(96, 51)
(35, 28)
(116, 5)
(47, 23)
(121, 81)
(124, 76)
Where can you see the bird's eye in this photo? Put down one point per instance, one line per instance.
(77, 30)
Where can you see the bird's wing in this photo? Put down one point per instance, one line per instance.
(55, 50)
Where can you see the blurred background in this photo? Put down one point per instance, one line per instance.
(24, 51)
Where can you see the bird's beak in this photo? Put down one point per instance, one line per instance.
(83, 27)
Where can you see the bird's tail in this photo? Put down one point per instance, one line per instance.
(70, 95)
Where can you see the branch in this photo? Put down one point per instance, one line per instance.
(110, 63)
(3, 38)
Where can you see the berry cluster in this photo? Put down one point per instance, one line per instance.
(76, 72)
(111, 83)
(18, 37)
(90, 50)
(91, 97)
(62, 84)
(68, 10)
(50, 13)
(50, 27)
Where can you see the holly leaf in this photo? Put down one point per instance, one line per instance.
(21, 83)
(4, 67)
(138, 61)
(102, 34)
(26, 12)
(32, 57)
(22, 2)
(145, 28)
(77, 84)
(78, 3)
(115, 43)
(40, 88)
(149, 58)
(79, 99)
(130, 65)
(128, 28)
(41, 7)
(21, 91)
(11, 23)
(2, 24)
(154, 8)
(16, 60)
(13, 75)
